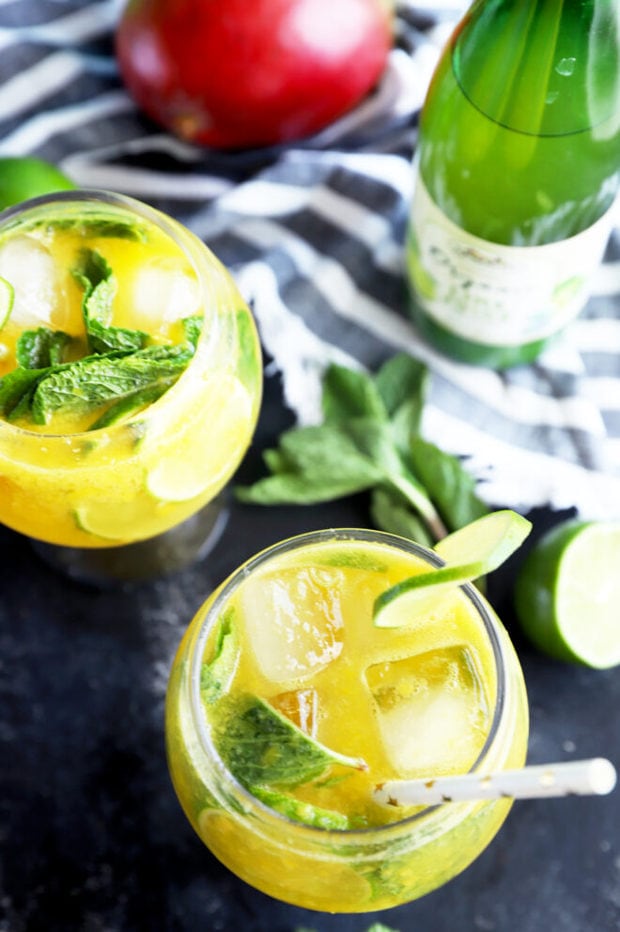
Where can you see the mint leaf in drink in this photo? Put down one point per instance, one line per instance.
(94, 380)
(107, 227)
(94, 274)
(216, 676)
(370, 441)
(132, 403)
(298, 811)
(17, 386)
(192, 328)
(105, 339)
(41, 348)
(260, 746)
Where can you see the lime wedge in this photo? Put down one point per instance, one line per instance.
(471, 552)
(120, 521)
(7, 296)
(202, 460)
(567, 593)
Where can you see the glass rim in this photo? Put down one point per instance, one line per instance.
(229, 586)
(181, 236)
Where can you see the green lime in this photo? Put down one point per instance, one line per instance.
(7, 296)
(25, 177)
(118, 521)
(472, 551)
(567, 593)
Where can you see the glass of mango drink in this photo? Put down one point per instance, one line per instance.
(287, 705)
(130, 383)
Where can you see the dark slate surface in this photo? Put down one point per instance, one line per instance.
(92, 837)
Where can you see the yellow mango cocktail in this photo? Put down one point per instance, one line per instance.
(287, 706)
(130, 371)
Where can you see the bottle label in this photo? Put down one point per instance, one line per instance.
(494, 294)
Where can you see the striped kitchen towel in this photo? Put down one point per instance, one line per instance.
(314, 236)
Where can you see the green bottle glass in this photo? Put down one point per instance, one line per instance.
(517, 171)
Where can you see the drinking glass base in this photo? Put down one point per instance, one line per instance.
(167, 553)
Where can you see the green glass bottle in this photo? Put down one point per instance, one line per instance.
(518, 167)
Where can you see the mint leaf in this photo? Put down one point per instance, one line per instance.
(95, 276)
(108, 227)
(260, 746)
(17, 386)
(135, 401)
(401, 382)
(298, 811)
(350, 393)
(94, 380)
(391, 512)
(216, 676)
(315, 464)
(192, 327)
(41, 348)
(452, 487)
(104, 339)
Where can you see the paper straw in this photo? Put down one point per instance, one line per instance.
(596, 776)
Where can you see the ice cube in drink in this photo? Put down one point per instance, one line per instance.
(432, 710)
(31, 269)
(163, 294)
(294, 620)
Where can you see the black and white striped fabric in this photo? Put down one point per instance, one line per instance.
(314, 236)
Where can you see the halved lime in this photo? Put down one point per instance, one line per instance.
(23, 177)
(7, 296)
(471, 552)
(567, 593)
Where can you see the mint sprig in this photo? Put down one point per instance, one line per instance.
(94, 380)
(120, 369)
(370, 441)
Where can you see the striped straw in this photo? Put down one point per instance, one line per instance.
(596, 776)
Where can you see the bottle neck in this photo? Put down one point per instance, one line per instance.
(542, 67)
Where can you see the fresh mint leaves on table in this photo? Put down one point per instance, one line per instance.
(119, 368)
(370, 440)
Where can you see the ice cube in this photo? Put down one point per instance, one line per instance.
(432, 711)
(30, 268)
(163, 294)
(294, 620)
(301, 706)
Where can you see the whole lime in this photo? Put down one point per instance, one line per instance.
(567, 593)
(25, 177)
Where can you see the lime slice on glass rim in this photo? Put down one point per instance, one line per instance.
(472, 551)
(567, 593)
(7, 296)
